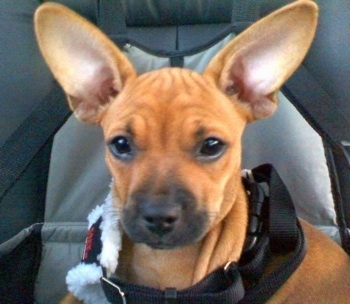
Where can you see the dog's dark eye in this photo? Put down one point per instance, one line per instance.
(211, 148)
(120, 147)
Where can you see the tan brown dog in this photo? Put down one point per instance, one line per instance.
(174, 147)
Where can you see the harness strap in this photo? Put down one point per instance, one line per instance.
(285, 235)
(267, 287)
(283, 230)
(215, 288)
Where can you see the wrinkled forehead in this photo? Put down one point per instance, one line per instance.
(170, 89)
(169, 83)
(171, 95)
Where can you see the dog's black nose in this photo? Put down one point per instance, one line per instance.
(160, 218)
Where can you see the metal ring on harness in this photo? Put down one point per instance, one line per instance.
(121, 293)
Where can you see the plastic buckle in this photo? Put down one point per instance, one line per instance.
(256, 197)
(170, 295)
(121, 293)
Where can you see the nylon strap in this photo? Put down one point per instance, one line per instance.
(323, 114)
(283, 230)
(215, 288)
(266, 288)
(317, 107)
(20, 149)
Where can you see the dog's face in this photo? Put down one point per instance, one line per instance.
(173, 136)
(174, 151)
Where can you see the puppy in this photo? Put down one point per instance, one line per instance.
(173, 140)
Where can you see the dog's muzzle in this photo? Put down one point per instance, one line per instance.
(164, 221)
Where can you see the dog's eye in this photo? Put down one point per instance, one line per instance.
(211, 148)
(120, 147)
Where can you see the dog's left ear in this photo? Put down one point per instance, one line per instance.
(253, 67)
(89, 67)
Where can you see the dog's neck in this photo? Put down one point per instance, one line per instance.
(181, 268)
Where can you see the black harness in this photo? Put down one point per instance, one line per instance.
(273, 229)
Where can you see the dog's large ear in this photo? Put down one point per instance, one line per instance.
(89, 67)
(253, 67)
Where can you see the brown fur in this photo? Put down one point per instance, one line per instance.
(168, 113)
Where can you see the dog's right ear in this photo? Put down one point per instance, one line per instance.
(252, 68)
(89, 67)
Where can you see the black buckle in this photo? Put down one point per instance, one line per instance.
(115, 286)
(170, 295)
(256, 198)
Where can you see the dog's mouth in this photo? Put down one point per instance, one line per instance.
(177, 229)
(169, 220)
(161, 245)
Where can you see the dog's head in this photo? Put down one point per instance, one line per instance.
(173, 136)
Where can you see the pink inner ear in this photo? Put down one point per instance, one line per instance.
(107, 89)
(93, 93)
(99, 87)
(86, 112)
(233, 82)
(92, 75)
(253, 83)
(239, 80)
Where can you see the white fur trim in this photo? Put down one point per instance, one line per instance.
(94, 215)
(111, 236)
(84, 280)
(84, 283)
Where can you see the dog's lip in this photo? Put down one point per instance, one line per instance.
(161, 245)
(168, 245)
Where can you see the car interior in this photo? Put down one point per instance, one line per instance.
(52, 167)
